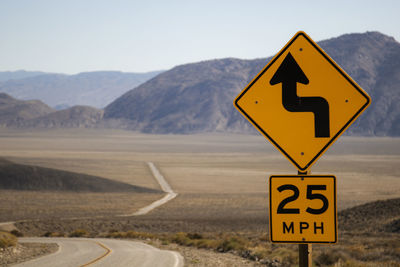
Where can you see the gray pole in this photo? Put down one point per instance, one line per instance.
(305, 250)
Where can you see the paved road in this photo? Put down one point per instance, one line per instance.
(109, 252)
(79, 252)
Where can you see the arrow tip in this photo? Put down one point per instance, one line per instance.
(289, 70)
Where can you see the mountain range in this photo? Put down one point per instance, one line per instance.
(14, 112)
(198, 97)
(19, 74)
(60, 91)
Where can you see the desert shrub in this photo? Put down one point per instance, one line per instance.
(140, 235)
(116, 234)
(231, 243)
(17, 233)
(259, 252)
(194, 240)
(47, 234)
(326, 259)
(264, 238)
(133, 234)
(182, 239)
(329, 257)
(353, 263)
(7, 240)
(284, 255)
(79, 233)
(194, 236)
(54, 234)
(207, 243)
(130, 234)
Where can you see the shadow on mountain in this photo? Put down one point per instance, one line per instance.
(23, 177)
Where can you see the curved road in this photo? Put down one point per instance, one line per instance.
(8, 226)
(74, 252)
(109, 252)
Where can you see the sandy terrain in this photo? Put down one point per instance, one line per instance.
(221, 180)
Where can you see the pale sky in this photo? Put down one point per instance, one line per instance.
(73, 36)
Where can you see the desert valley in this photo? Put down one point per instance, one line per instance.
(68, 169)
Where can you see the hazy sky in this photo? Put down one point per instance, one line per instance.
(72, 36)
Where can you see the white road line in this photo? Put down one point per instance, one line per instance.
(164, 186)
(178, 259)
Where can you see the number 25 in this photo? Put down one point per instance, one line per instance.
(310, 195)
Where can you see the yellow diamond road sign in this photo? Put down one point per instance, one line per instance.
(302, 101)
(302, 209)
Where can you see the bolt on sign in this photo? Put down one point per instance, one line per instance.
(302, 101)
(302, 209)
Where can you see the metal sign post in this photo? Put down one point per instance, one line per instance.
(305, 255)
(305, 250)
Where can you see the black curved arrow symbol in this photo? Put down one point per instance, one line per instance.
(289, 73)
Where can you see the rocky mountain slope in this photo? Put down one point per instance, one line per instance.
(198, 97)
(35, 114)
(73, 117)
(95, 89)
(189, 98)
(373, 61)
(13, 111)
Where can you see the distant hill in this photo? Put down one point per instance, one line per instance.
(372, 59)
(19, 74)
(95, 89)
(382, 215)
(23, 177)
(35, 114)
(190, 98)
(14, 112)
(73, 117)
(198, 97)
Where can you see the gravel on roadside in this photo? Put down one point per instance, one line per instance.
(24, 252)
(195, 257)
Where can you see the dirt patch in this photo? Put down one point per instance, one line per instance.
(24, 252)
(32, 205)
(222, 186)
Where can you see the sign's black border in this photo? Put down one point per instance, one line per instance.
(337, 68)
(306, 177)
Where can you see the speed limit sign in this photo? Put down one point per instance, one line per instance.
(302, 209)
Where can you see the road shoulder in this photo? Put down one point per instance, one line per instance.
(205, 257)
(23, 252)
